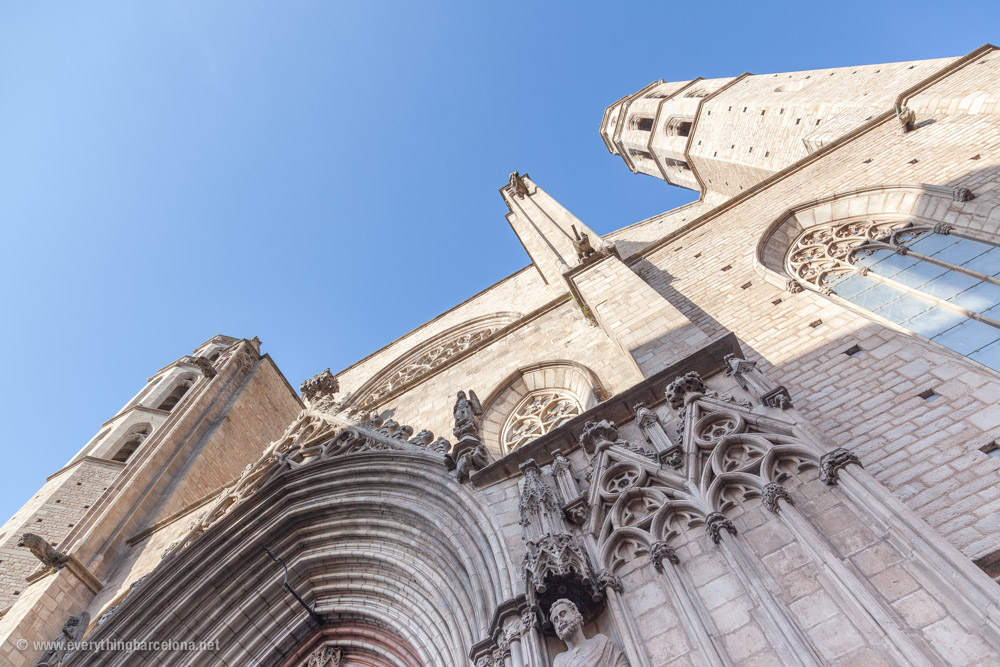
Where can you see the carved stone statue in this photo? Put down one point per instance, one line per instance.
(581, 243)
(598, 651)
(71, 632)
(517, 185)
(467, 411)
(42, 550)
(470, 461)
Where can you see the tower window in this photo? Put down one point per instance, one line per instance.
(643, 123)
(680, 164)
(635, 152)
(131, 442)
(937, 283)
(174, 397)
(678, 127)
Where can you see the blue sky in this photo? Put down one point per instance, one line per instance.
(322, 174)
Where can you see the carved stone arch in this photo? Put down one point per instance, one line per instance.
(636, 507)
(623, 545)
(883, 203)
(402, 562)
(731, 489)
(664, 527)
(419, 363)
(788, 458)
(548, 381)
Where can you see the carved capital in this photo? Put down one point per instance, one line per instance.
(831, 463)
(578, 511)
(943, 228)
(607, 579)
(770, 495)
(673, 458)
(661, 551)
(598, 434)
(715, 523)
(962, 194)
(682, 386)
(777, 398)
(793, 286)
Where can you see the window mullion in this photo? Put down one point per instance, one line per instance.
(953, 267)
(930, 297)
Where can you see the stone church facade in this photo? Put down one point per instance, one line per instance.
(759, 429)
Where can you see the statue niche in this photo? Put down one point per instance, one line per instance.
(598, 651)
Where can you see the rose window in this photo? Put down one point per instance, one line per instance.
(537, 414)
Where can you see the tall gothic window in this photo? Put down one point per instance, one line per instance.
(931, 279)
(537, 414)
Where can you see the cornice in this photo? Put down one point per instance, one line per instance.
(92, 459)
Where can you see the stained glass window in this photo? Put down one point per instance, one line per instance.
(930, 279)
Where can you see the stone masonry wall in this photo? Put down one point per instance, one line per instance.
(927, 452)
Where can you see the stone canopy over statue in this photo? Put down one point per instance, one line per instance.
(598, 651)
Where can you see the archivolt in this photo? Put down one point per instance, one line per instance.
(402, 562)
(880, 203)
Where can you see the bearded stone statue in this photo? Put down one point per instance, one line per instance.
(598, 651)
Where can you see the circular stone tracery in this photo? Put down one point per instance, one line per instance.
(537, 414)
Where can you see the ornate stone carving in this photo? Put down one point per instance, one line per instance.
(823, 255)
(106, 615)
(441, 446)
(831, 462)
(422, 439)
(962, 194)
(206, 367)
(752, 380)
(538, 509)
(70, 634)
(554, 556)
(674, 459)
(608, 579)
(943, 228)
(326, 656)
(318, 391)
(715, 523)
(577, 511)
(793, 286)
(423, 361)
(517, 186)
(41, 549)
(906, 117)
(770, 495)
(467, 411)
(682, 386)
(472, 459)
(581, 243)
(598, 651)
(598, 435)
(661, 551)
(537, 414)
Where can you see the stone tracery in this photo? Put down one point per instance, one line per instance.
(537, 414)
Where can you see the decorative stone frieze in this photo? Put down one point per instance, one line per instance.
(831, 463)
(325, 656)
